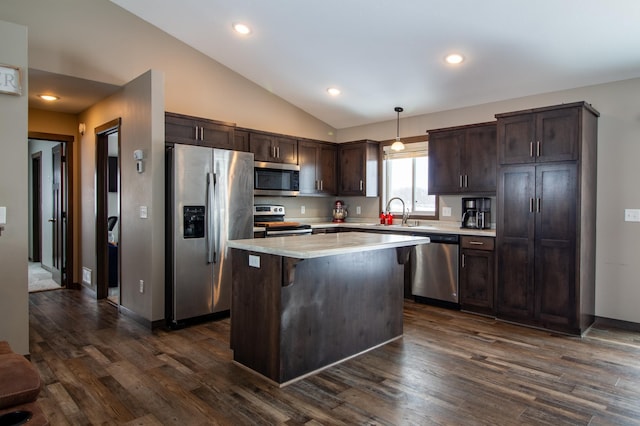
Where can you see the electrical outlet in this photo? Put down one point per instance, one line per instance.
(358, 210)
(446, 211)
(632, 215)
(141, 286)
(302, 209)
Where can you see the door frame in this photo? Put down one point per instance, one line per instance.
(102, 193)
(67, 141)
(36, 206)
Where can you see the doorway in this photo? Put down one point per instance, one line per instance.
(108, 211)
(50, 211)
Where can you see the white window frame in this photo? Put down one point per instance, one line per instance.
(412, 150)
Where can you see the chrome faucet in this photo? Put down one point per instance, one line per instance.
(405, 211)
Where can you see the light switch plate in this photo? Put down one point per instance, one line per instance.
(632, 215)
(446, 211)
(143, 212)
(3, 215)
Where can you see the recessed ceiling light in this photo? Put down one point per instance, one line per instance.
(333, 91)
(242, 28)
(49, 97)
(454, 58)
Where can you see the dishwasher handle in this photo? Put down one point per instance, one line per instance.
(442, 238)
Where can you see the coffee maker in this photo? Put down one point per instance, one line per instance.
(476, 213)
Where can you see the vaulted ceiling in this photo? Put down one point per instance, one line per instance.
(383, 54)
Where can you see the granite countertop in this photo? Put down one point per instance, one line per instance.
(433, 227)
(320, 245)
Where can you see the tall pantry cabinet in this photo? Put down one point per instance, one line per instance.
(546, 220)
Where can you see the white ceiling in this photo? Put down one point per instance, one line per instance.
(384, 53)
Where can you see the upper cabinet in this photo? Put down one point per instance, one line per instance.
(462, 160)
(358, 168)
(273, 148)
(200, 131)
(548, 134)
(317, 167)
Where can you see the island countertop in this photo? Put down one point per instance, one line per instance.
(320, 245)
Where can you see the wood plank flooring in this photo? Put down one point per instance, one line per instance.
(450, 368)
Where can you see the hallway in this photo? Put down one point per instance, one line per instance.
(40, 279)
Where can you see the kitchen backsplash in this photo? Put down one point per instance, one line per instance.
(318, 209)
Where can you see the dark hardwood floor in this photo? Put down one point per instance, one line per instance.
(450, 368)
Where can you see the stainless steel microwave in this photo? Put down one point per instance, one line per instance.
(276, 179)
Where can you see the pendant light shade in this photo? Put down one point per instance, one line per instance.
(398, 145)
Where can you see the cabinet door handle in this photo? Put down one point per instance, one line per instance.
(201, 133)
(531, 149)
(476, 243)
(461, 185)
(361, 184)
(197, 136)
(463, 261)
(273, 151)
(530, 205)
(538, 149)
(277, 152)
(466, 181)
(538, 202)
(321, 185)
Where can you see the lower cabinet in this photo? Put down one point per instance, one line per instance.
(477, 274)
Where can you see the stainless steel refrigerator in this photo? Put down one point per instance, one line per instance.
(209, 201)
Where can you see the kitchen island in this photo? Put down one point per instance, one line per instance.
(302, 304)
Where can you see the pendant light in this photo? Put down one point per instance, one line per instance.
(398, 145)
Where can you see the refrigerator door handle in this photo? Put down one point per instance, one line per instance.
(215, 221)
(210, 236)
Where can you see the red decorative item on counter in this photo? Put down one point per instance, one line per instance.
(383, 218)
(389, 218)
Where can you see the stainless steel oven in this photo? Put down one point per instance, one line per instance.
(272, 219)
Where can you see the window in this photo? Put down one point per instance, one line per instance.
(405, 175)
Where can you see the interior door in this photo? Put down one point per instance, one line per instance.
(57, 219)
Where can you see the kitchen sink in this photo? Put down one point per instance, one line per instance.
(404, 226)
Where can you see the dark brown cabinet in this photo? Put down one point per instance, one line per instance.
(318, 166)
(463, 159)
(546, 232)
(200, 131)
(358, 168)
(547, 135)
(241, 138)
(477, 274)
(273, 148)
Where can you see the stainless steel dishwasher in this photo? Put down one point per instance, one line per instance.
(434, 269)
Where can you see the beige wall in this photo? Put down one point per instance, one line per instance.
(14, 326)
(618, 242)
(83, 44)
(63, 124)
(139, 106)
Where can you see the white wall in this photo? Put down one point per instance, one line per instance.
(618, 242)
(14, 326)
